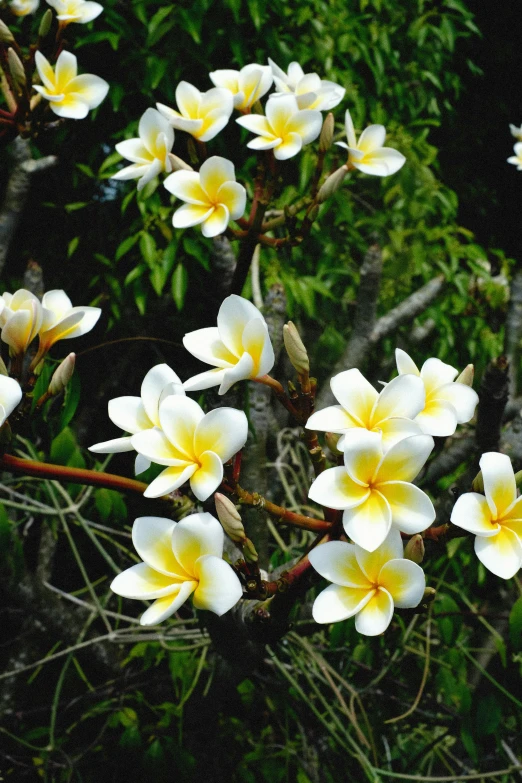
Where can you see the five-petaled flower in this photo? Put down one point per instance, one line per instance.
(368, 154)
(134, 414)
(285, 129)
(191, 444)
(179, 559)
(239, 346)
(10, 396)
(202, 114)
(24, 7)
(69, 95)
(516, 159)
(213, 196)
(374, 490)
(150, 152)
(62, 321)
(448, 402)
(362, 407)
(311, 91)
(496, 519)
(20, 318)
(367, 585)
(82, 11)
(247, 85)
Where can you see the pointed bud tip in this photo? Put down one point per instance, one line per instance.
(230, 518)
(331, 440)
(45, 24)
(6, 36)
(327, 133)
(467, 375)
(332, 184)
(414, 549)
(295, 349)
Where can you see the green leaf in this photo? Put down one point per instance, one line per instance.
(63, 447)
(148, 248)
(125, 246)
(103, 502)
(5, 529)
(515, 625)
(450, 621)
(72, 398)
(73, 244)
(179, 286)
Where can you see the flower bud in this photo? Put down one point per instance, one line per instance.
(45, 24)
(6, 36)
(62, 375)
(16, 70)
(332, 439)
(249, 551)
(414, 549)
(327, 133)
(230, 518)
(3, 368)
(429, 595)
(466, 376)
(178, 164)
(518, 478)
(477, 484)
(332, 184)
(295, 349)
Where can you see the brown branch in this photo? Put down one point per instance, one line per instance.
(407, 310)
(493, 396)
(280, 514)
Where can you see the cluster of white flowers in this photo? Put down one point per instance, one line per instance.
(292, 119)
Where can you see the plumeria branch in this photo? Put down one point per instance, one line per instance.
(280, 514)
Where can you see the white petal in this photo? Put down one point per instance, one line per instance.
(66, 67)
(383, 162)
(214, 172)
(56, 305)
(88, 11)
(114, 446)
(219, 588)
(307, 124)
(89, 88)
(435, 373)
(332, 419)
(371, 563)
(355, 394)
(290, 145)
(169, 480)
(214, 122)
(194, 536)
(223, 431)
(71, 108)
(151, 125)
(191, 215)
(471, 512)
(404, 396)
(128, 414)
(438, 418)
(279, 111)
(405, 581)
(264, 143)
(463, 399)
(208, 476)
(404, 460)
(362, 455)
(242, 370)
(256, 123)
(233, 196)
(152, 539)
(155, 446)
(375, 617)
(334, 488)
(336, 561)
(216, 222)
(179, 416)
(233, 316)
(204, 380)
(337, 603)
(163, 608)
(186, 185)
(394, 430)
(207, 345)
(10, 394)
(45, 70)
(188, 99)
(256, 342)
(369, 523)
(135, 171)
(499, 482)
(350, 131)
(372, 138)
(405, 364)
(141, 581)
(141, 464)
(501, 554)
(412, 510)
(153, 386)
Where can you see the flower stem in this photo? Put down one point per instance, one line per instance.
(279, 513)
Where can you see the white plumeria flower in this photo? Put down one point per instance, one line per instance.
(516, 159)
(374, 490)
(367, 585)
(10, 396)
(20, 318)
(24, 7)
(247, 85)
(362, 407)
(62, 321)
(285, 129)
(202, 114)
(135, 414)
(496, 519)
(448, 403)
(81, 11)
(150, 152)
(179, 559)
(193, 445)
(311, 91)
(368, 154)
(70, 95)
(516, 132)
(239, 346)
(213, 196)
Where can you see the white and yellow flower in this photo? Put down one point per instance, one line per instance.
(21, 318)
(366, 585)
(213, 196)
(496, 519)
(516, 132)
(368, 154)
(285, 129)
(179, 559)
(247, 85)
(516, 159)
(389, 412)
(135, 414)
(150, 152)
(82, 11)
(10, 396)
(24, 7)
(70, 95)
(374, 490)
(239, 347)
(311, 91)
(62, 321)
(191, 444)
(202, 114)
(448, 402)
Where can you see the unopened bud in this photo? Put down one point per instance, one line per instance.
(414, 549)
(178, 164)
(518, 478)
(332, 439)
(332, 184)
(230, 518)
(62, 375)
(16, 69)
(477, 485)
(327, 133)
(6, 36)
(429, 595)
(3, 368)
(466, 376)
(45, 24)
(249, 551)
(295, 349)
